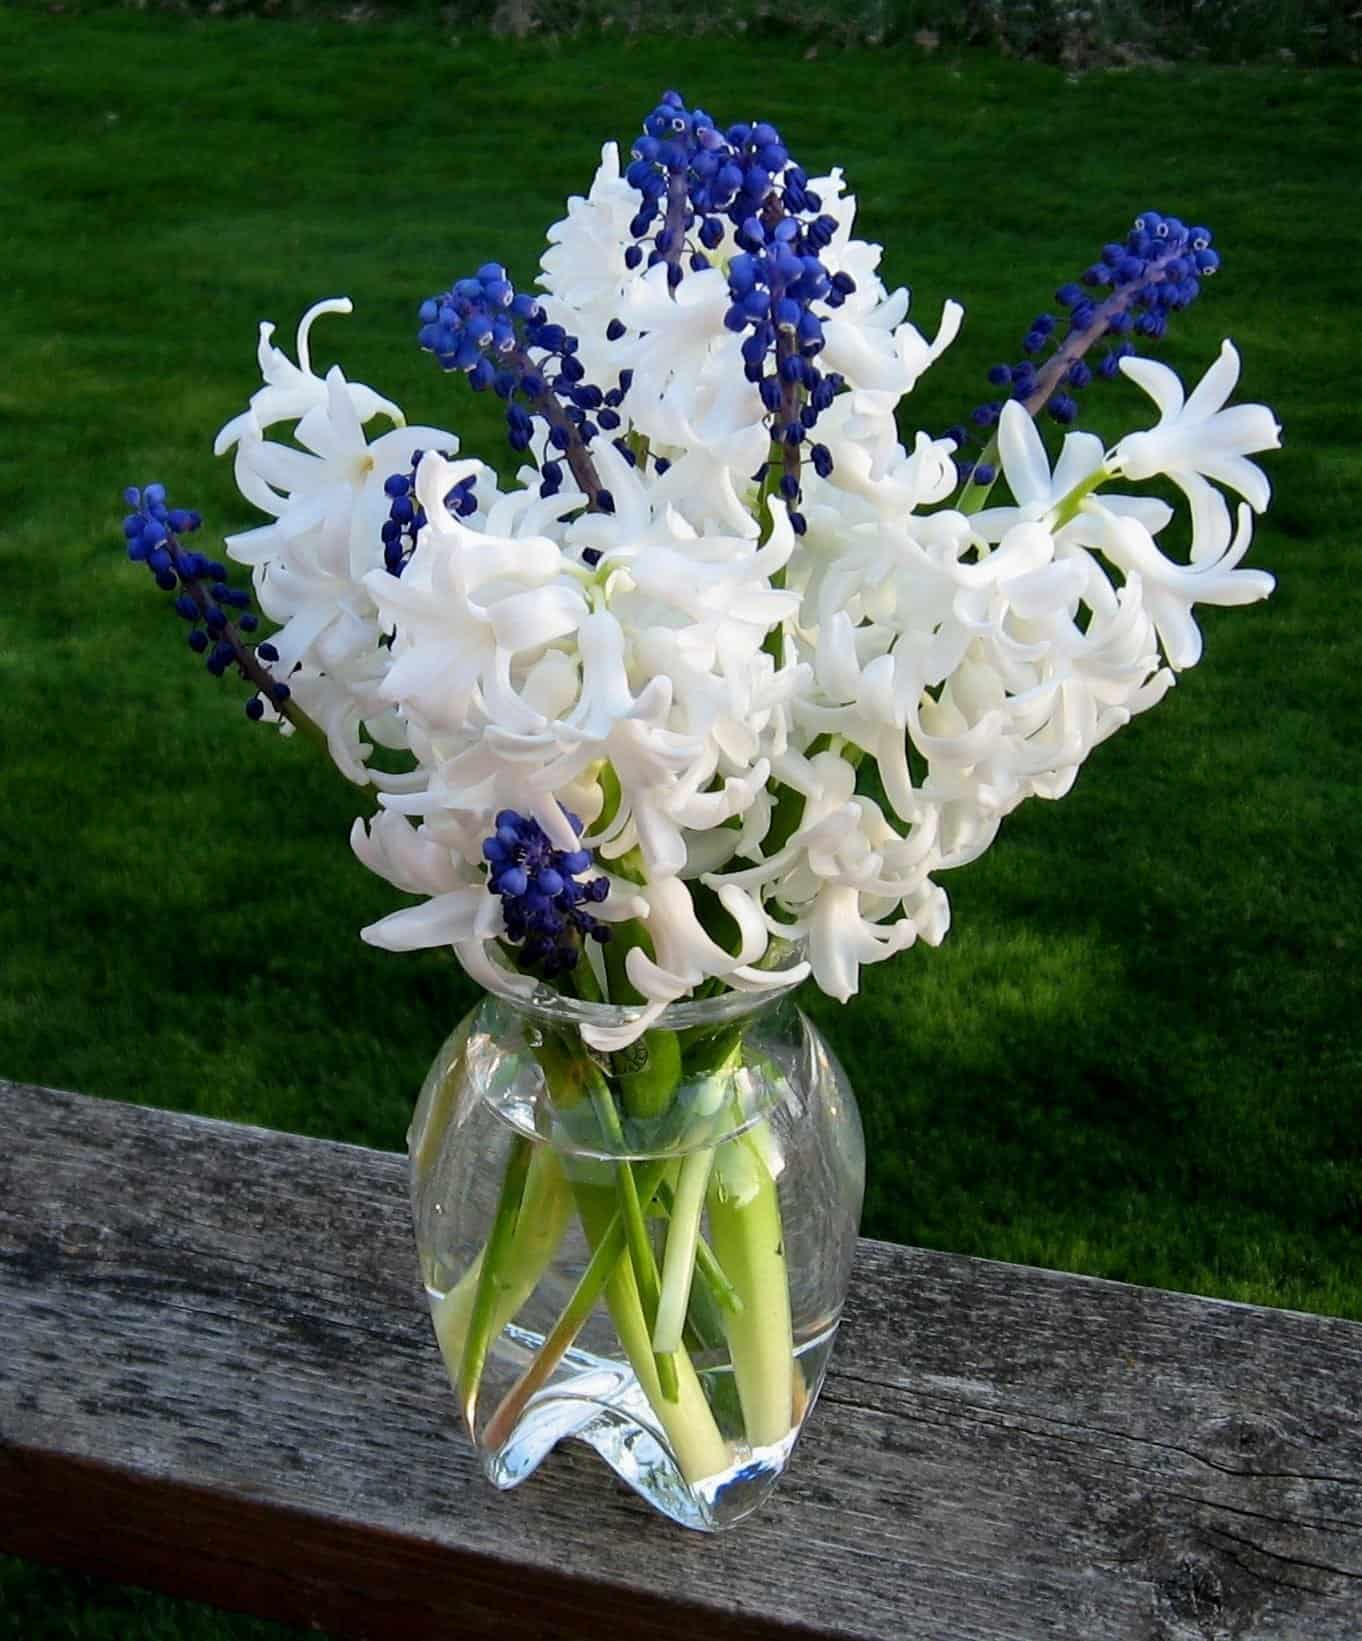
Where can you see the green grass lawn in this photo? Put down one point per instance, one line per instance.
(1137, 1054)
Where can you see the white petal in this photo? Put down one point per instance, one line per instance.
(525, 621)
(1215, 387)
(332, 304)
(1210, 516)
(609, 1039)
(1160, 383)
(1023, 455)
(443, 921)
(1241, 475)
(1079, 457)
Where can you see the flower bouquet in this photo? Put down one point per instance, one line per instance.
(698, 704)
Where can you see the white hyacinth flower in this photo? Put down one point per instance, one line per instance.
(291, 390)
(724, 599)
(1196, 439)
(325, 494)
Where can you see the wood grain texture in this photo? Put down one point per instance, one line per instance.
(217, 1377)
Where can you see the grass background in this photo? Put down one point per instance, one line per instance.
(1137, 1055)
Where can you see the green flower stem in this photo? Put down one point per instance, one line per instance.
(606, 1253)
(615, 1225)
(686, 1416)
(711, 1273)
(974, 495)
(539, 1226)
(1067, 507)
(712, 1063)
(687, 1420)
(635, 1232)
(648, 1092)
(683, 1238)
(648, 1088)
(630, 1284)
(745, 1229)
(495, 1280)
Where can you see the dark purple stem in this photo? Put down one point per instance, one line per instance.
(1048, 379)
(576, 455)
(674, 223)
(244, 654)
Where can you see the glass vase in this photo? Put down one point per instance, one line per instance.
(646, 1250)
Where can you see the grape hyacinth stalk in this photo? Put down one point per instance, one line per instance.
(709, 693)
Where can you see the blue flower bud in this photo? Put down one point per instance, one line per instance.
(809, 332)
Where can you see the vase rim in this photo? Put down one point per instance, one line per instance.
(519, 1019)
(543, 1003)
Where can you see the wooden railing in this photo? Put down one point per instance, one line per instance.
(217, 1378)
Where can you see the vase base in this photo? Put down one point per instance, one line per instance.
(602, 1404)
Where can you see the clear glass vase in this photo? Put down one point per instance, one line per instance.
(646, 1250)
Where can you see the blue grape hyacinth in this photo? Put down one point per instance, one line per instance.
(543, 899)
(218, 615)
(1156, 271)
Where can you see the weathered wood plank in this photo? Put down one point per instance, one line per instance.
(217, 1377)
